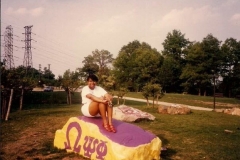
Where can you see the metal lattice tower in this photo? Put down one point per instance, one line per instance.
(8, 47)
(27, 61)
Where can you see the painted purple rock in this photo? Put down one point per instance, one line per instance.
(127, 134)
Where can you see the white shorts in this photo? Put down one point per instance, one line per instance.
(85, 110)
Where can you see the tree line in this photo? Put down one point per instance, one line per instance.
(182, 66)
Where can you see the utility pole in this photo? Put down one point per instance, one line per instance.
(27, 61)
(48, 70)
(8, 47)
(40, 68)
(40, 72)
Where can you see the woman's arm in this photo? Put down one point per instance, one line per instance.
(108, 97)
(96, 99)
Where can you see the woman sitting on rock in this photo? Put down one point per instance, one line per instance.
(97, 102)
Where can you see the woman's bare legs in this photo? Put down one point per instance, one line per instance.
(110, 113)
(103, 109)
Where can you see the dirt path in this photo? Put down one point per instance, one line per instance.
(169, 104)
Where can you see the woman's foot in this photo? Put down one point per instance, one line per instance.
(107, 127)
(112, 128)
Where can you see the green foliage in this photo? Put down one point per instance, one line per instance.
(203, 60)
(136, 65)
(230, 70)
(98, 63)
(182, 66)
(108, 82)
(47, 77)
(195, 72)
(174, 51)
(90, 65)
(213, 56)
(152, 90)
(175, 44)
(40, 98)
(120, 93)
(70, 82)
(168, 75)
(19, 77)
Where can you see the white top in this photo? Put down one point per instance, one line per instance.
(97, 91)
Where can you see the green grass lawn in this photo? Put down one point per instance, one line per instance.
(193, 100)
(199, 135)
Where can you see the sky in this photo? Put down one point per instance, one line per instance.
(66, 31)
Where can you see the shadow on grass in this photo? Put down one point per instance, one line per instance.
(166, 153)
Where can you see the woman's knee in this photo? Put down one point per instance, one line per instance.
(93, 108)
(102, 105)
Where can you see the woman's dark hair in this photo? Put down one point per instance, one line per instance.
(93, 77)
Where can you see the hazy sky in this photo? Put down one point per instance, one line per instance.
(66, 31)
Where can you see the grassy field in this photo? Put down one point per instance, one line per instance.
(29, 134)
(193, 100)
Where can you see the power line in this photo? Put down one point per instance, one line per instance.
(57, 52)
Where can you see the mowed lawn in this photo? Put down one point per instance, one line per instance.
(29, 134)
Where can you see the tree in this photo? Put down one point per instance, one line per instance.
(13, 80)
(229, 70)
(70, 82)
(102, 58)
(148, 63)
(213, 58)
(124, 66)
(211, 47)
(98, 63)
(168, 75)
(137, 64)
(194, 73)
(174, 48)
(120, 93)
(47, 77)
(90, 65)
(175, 44)
(152, 90)
(203, 62)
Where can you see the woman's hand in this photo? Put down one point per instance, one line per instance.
(108, 97)
(103, 100)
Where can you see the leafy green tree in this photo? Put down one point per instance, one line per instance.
(195, 72)
(148, 63)
(213, 58)
(124, 66)
(120, 93)
(98, 63)
(152, 90)
(137, 64)
(168, 75)
(203, 60)
(102, 58)
(28, 79)
(230, 69)
(175, 44)
(17, 80)
(47, 77)
(90, 66)
(174, 49)
(108, 82)
(70, 82)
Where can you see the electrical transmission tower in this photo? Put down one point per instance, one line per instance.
(27, 61)
(8, 47)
